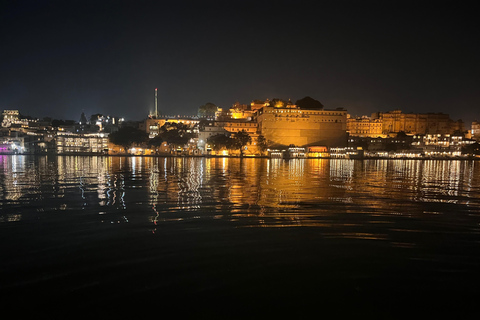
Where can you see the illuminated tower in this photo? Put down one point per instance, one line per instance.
(156, 110)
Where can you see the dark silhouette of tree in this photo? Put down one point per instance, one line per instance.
(471, 149)
(309, 103)
(176, 134)
(262, 143)
(24, 116)
(207, 110)
(156, 141)
(220, 141)
(278, 103)
(458, 133)
(128, 136)
(59, 123)
(241, 139)
(83, 118)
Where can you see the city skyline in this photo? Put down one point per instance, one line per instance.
(109, 57)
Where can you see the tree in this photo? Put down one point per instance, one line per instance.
(57, 123)
(309, 103)
(83, 118)
(128, 136)
(241, 139)
(220, 141)
(262, 143)
(207, 110)
(278, 103)
(471, 149)
(156, 141)
(176, 134)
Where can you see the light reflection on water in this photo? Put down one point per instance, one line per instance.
(254, 192)
(373, 234)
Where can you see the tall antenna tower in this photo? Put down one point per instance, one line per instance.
(156, 110)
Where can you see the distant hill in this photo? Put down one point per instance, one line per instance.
(309, 103)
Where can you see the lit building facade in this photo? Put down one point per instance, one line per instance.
(237, 111)
(441, 142)
(12, 145)
(475, 130)
(290, 125)
(67, 142)
(232, 126)
(365, 127)
(417, 123)
(9, 117)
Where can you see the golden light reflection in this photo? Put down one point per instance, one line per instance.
(261, 192)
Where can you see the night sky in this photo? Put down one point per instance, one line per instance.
(59, 58)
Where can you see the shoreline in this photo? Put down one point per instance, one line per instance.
(233, 157)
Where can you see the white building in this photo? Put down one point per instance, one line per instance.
(67, 142)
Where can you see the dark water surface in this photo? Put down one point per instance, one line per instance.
(239, 238)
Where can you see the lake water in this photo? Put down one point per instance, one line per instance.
(239, 238)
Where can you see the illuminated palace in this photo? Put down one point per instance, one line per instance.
(282, 125)
(389, 124)
(290, 125)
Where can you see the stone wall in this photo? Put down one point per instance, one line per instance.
(293, 126)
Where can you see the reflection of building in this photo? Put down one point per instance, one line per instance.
(289, 125)
(81, 143)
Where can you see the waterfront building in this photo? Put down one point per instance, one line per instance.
(12, 145)
(450, 143)
(290, 125)
(317, 152)
(208, 131)
(346, 153)
(228, 127)
(400, 142)
(67, 142)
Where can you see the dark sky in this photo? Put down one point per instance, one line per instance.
(58, 58)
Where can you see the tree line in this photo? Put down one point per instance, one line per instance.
(178, 135)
